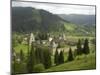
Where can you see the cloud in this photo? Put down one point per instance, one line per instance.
(58, 8)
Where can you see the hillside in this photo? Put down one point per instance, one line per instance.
(27, 19)
(82, 63)
(79, 19)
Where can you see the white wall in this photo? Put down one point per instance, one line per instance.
(5, 37)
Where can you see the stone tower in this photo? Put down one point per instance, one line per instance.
(32, 38)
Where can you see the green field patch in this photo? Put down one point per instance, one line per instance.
(82, 63)
(21, 47)
(69, 26)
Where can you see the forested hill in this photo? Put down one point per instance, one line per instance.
(80, 19)
(27, 19)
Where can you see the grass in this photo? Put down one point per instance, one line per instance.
(21, 47)
(69, 26)
(80, 63)
(79, 37)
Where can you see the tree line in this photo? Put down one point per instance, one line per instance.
(38, 56)
(59, 57)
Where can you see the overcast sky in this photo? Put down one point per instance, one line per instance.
(58, 8)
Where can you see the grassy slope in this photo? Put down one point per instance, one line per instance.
(69, 26)
(73, 29)
(81, 62)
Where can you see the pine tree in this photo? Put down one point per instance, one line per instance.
(56, 57)
(61, 57)
(21, 55)
(47, 58)
(79, 48)
(28, 43)
(39, 55)
(70, 55)
(31, 60)
(86, 47)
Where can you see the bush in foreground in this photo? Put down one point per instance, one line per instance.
(39, 68)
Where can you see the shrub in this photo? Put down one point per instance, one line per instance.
(39, 68)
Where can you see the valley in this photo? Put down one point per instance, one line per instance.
(47, 42)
